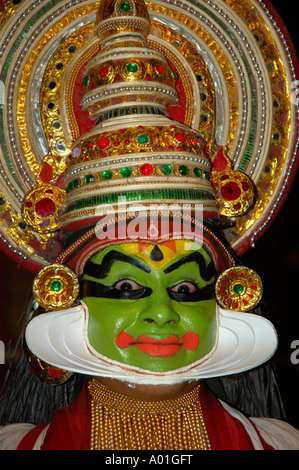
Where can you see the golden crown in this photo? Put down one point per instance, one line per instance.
(135, 152)
(125, 101)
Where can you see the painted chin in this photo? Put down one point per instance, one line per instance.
(167, 347)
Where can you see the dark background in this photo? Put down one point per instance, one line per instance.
(275, 258)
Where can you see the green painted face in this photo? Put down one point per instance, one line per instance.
(153, 308)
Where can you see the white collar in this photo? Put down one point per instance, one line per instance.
(59, 338)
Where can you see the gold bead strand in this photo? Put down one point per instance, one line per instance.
(136, 426)
(126, 432)
(180, 430)
(184, 430)
(94, 425)
(158, 434)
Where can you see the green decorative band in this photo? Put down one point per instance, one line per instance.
(146, 169)
(113, 198)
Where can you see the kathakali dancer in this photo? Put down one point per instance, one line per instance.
(144, 147)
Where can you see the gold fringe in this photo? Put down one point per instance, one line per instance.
(120, 422)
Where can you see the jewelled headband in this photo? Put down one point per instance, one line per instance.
(78, 253)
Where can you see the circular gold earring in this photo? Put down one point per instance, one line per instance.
(56, 287)
(44, 372)
(239, 288)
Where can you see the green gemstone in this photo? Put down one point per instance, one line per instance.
(183, 170)
(175, 75)
(89, 179)
(206, 175)
(70, 186)
(142, 139)
(76, 183)
(197, 172)
(126, 172)
(125, 7)
(132, 68)
(238, 288)
(166, 169)
(56, 286)
(107, 175)
(86, 80)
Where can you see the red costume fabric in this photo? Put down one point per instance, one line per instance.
(70, 427)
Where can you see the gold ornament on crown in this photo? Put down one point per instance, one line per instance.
(41, 207)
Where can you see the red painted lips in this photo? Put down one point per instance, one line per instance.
(165, 348)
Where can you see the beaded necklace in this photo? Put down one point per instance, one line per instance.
(120, 422)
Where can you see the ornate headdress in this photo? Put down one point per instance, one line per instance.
(116, 103)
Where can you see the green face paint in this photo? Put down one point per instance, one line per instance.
(158, 319)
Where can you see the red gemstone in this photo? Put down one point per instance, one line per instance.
(160, 69)
(180, 137)
(45, 207)
(230, 191)
(146, 169)
(104, 72)
(103, 143)
(54, 372)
